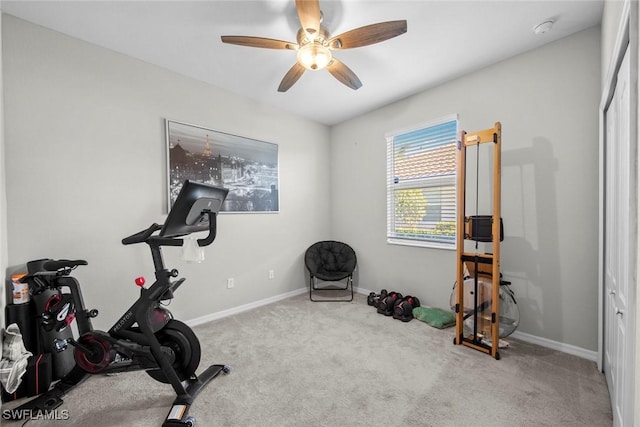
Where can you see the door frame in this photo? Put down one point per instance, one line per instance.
(627, 35)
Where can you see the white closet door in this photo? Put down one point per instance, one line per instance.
(619, 256)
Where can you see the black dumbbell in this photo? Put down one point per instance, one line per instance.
(374, 299)
(403, 310)
(387, 303)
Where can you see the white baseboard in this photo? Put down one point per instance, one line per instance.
(544, 342)
(255, 304)
(533, 339)
(362, 291)
(244, 307)
(555, 345)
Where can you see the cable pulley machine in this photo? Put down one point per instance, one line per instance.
(475, 309)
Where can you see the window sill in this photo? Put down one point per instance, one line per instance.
(421, 244)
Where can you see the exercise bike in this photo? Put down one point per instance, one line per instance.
(146, 337)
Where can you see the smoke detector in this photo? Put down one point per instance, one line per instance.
(543, 27)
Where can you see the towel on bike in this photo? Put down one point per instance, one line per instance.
(13, 364)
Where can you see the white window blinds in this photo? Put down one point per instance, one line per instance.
(421, 184)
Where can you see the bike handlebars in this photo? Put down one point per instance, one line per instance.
(141, 236)
(212, 230)
(146, 236)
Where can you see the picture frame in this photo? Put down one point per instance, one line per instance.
(247, 167)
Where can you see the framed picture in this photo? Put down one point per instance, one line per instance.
(248, 168)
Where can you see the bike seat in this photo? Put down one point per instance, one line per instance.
(57, 264)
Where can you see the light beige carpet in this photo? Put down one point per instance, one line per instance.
(300, 363)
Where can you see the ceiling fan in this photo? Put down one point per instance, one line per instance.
(314, 44)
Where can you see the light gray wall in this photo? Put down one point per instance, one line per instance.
(547, 100)
(3, 198)
(85, 167)
(611, 17)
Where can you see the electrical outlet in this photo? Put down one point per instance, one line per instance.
(272, 274)
(230, 283)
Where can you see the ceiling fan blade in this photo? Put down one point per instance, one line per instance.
(344, 74)
(310, 15)
(369, 34)
(259, 42)
(291, 77)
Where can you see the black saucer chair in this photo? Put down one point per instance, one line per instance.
(330, 261)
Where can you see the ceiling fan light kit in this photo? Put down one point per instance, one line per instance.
(314, 56)
(314, 44)
(313, 50)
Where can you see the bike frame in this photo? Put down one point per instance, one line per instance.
(138, 341)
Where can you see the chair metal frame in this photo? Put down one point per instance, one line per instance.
(313, 281)
(333, 277)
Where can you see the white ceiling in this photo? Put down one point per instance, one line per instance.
(445, 39)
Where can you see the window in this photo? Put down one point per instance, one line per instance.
(421, 184)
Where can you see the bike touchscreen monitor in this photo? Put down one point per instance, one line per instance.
(186, 215)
